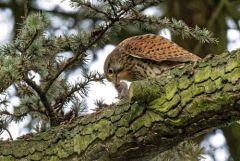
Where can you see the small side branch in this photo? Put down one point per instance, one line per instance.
(44, 100)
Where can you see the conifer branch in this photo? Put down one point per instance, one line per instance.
(39, 54)
(44, 100)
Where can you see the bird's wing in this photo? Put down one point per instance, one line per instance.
(157, 48)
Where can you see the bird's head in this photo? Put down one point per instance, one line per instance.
(114, 69)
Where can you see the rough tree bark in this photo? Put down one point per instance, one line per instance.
(159, 113)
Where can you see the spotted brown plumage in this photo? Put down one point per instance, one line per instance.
(155, 47)
(143, 56)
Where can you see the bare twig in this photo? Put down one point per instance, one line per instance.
(44, 100)
(10, 135)
(25, 8)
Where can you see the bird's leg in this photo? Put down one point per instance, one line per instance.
(122, 89)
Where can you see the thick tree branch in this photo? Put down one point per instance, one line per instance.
(159, 113)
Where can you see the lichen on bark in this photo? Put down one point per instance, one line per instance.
(158, 114)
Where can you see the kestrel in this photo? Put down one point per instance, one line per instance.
(143, 56)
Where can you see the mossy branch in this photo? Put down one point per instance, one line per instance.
(159, 113)
(35, 53)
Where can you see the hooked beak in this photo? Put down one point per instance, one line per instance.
(117, 75)
(116, 80)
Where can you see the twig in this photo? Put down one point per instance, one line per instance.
(44, 100)
(76, 57)
(10, 135)
(25, 8)
(112, 7)
(73, 90)
(88, 5)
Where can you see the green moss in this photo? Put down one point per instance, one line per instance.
(115, 144)
(203, 63)
(88, 129)
(215, 103)
(157, 102)
(173, 113)
(136, 111)
(53, 158)
(209, 86)
(23, 151)
(145, 121)
(41, 146)
(196, 107)
(232, 63)
(122, 131)
(175, 121)
(67, 146)
(202, 74)
(217, 72)
(138, 90)
(45, 136)
(178, 71)
(81, 142)
(105, 128)
(141, 132)
(224, 99)
(60, 152)
(137, 124)
(120, 109)
(171, 89)
(184, 82)
(153, 116)
(107, 113)
(234, 76)
(228, 87)
(104, 114)
(115, 118)
(197, 89)
(7, 158)
(124, 121)
(222, 58)
(86, 119)
(36, 156)
(170, 104)
(236, 87)
(6, 151)
(186, 96)
(218, 83)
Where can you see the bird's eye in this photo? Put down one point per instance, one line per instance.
(110, 71)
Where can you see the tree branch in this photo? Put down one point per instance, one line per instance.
(49, 111)
(159, 113)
